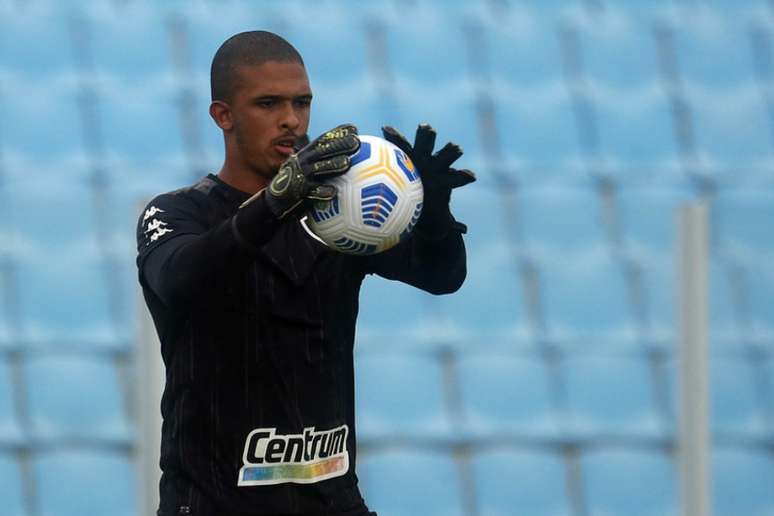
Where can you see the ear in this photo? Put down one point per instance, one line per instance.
(221, 113)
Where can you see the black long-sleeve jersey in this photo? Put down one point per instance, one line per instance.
(257, 338)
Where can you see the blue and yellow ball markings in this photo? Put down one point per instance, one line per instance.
(406, 165)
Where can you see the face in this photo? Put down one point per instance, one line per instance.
(268, 110)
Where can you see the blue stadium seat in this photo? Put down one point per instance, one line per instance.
(70, 304)
(524, 50)
(11, 487)
(506, 396)
(649, 220)
(84, 483)
(359, 104)
(629, 481)
(742, 221)
(714, 49)
(43, 132)
(140, 127)
(760, 285)
(415, 55)
(658, 282)
(617, 50)
(36, 45)
(724, 305)
(555, 221)
(733, 130)
(428, 483)
(51, 217)
(585, 303)
(11, 433)
(383, 303)
(623, 119)
(131, 43)
(529, 481)
(612, 397)
(75, 399)
(737, 409)
(741, 481)
(538, 129)
(400, 396)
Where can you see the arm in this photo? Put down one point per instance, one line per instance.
(433, 258)
(437, 267)
(180, 258)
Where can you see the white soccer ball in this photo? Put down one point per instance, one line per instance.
(378, 203)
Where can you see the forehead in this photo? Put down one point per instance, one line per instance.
(272, 78)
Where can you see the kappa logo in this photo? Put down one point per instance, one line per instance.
(270, 458)
(156, 227)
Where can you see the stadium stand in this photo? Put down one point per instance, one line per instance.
(545, 386)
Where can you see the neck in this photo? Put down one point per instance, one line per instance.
(241, 177)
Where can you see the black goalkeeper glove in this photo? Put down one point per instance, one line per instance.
(301, 176)
(438, 179)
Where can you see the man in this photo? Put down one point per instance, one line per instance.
(256, 318)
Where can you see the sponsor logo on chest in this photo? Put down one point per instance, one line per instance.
(312, 456)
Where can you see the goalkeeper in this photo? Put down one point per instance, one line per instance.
(256, 318)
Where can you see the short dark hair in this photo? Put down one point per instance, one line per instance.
(246, 48)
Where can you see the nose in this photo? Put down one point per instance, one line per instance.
(289, 119)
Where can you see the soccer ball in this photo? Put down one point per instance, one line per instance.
(378, 203)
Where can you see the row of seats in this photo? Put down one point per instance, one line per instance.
(610, 480)
(490, 482)
(411, 397)
(546, 130)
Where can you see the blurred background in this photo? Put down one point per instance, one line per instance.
(546, 385)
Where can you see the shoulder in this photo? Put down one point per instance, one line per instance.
(182, 211)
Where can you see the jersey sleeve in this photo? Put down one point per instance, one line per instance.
(166, 217)
(435, 266)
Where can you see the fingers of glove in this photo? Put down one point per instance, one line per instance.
(424, 140)
(330, 167)
(322, 192)
(450, 153)
(338, 141)
(394, 136)
(459, 178)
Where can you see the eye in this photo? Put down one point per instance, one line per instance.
(265, 103)
(303, 102)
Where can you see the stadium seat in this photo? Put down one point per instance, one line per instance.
(737, 409)
(11, 433)
(414, 54)
(74, 482)
(733, 129)
(617, 50)
(11, 487)
(383, 303)
(556, 221)
(48, 217)
(629, 481)
(428, 483)
(538, 129)
(531, 481)
(75, 398)
(42, 132)
(70, 304)
(760, 285)
(401, 396)
(714, 49)
(648, 219)
(124, 58)
(37, 46)
(741, 481)
(524, 50)
(611, 397)
(585, 303)
(506, 396)
(742, 221)
(622, 118)
(724, 310)
(658, 284)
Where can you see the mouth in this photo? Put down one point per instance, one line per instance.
(284, 145)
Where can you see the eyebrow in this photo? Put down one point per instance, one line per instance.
(281, 97)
